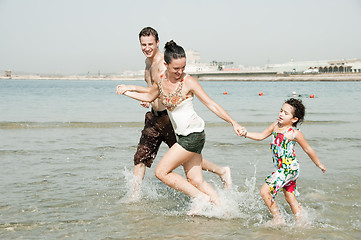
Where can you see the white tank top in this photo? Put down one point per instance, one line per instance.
(184, 119)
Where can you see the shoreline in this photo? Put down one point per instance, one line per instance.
(215, 76)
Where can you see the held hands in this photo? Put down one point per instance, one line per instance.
(145, 104)
(121, 89)
(239, 130)
(243, 132)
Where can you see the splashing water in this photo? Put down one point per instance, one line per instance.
(235, 204)
(240, 202)
(133, 187)
(137, 189)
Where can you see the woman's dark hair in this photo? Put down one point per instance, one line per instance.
(148, 31)
(299, 109)
(173, 51)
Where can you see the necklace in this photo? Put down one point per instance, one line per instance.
(173, 87)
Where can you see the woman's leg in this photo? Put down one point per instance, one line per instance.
(193, 171)
(223, 172)
(175, 157)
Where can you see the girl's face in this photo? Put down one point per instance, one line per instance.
(176, 68)
(285, 117)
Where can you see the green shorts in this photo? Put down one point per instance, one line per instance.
(193, 142)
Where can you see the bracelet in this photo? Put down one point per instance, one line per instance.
(245, 135)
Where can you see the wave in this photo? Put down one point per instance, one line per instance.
(35, 125)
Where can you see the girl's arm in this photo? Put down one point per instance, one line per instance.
(260, 135)
(139, 93)
(197, 89)
(307, 148)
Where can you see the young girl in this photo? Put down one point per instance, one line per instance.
(284, 137)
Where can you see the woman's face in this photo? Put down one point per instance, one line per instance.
(176, 68)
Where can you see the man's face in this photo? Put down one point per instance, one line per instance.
(149, 45)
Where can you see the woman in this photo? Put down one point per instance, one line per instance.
(176, 90)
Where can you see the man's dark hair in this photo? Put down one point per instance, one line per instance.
(149, 31)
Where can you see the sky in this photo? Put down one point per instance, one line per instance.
(101, 36)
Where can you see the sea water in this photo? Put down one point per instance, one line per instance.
(66, 155)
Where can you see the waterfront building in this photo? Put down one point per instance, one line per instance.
(8, 73)
(195, 65)
(325, 66)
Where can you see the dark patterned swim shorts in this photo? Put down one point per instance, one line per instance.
(157, 129)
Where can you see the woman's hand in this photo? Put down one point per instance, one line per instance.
(121, 89)
(145, 104)
(238, 129)
(322, 167)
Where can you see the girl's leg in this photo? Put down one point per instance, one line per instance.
(175, 157)
(223, 172)
(193, 172)
(295, 206)
(272, 205)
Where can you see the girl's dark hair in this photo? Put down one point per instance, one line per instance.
(299, 109)
(173, 51)
(149, 31)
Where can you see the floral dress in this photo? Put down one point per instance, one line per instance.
(285, 162)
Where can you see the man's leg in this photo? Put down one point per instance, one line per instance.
(138, 176)
(146, 152)
(223, 172)
(139, 171)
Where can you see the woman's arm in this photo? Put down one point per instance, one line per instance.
(139, 93)
(136, 88)
(197, 89)
(261, 135)
(307, 148)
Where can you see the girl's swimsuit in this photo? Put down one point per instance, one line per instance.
(285, 162)
(188, 126)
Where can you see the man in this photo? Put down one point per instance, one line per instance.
(158, 127)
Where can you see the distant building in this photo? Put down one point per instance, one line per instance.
(195, 65)
(133, 73)
(193, 57)
(243, 68)
(8, 73)
(326, 66)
